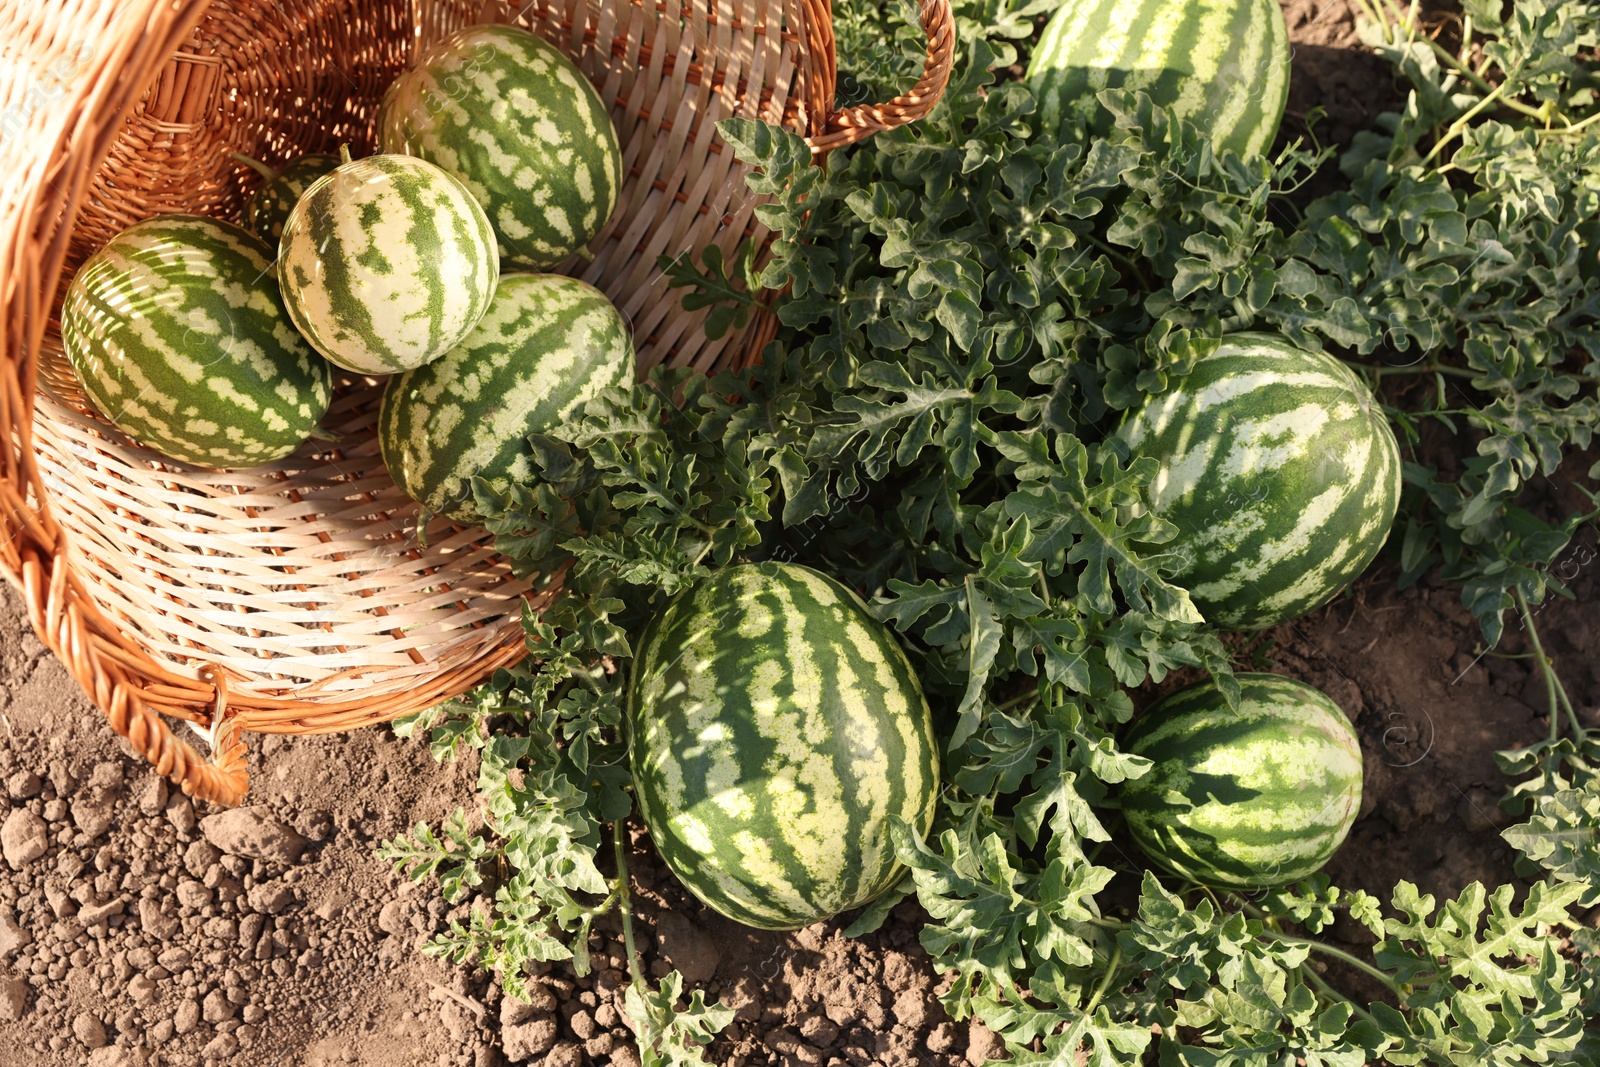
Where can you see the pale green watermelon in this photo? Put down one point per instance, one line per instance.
(386, 263)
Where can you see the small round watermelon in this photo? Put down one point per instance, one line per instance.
(1280, 471)
(177, 332)
(1221, 64)
(510, 116)
(547, 345)
(268, 207)
(1261, 796)
(776, 726)
(386, 263)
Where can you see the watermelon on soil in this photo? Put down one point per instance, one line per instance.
(547, 345)
(509, 115)
(177, 331)
(386, 263)
(1280, 472)
(1221, 64)
(1259, 796)
(776, 726)
(268, 207)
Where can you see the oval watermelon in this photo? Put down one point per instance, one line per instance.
(546, 346)
(1221, 64)
(1260, 796)
(268, 207)
(776, 726)
(386, 263)
(177, 331)
(1280, 472)
(509, 115)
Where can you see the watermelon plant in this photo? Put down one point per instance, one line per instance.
(776, 728)
(1258, 793)
(1279, 471)
(178, 334)
(546, 345)
(268, 207)
(386, 263)
(1223, 65)
(510, 116)
(969, 309)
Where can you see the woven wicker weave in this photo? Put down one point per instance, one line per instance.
(299, 597)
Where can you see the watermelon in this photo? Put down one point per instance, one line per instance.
(1261, 796)
(776, 726)
(1220, 64)
(1280, 472)
(547, 345)
(268, 207)
(510, 116)
(386, 263)
(177, 332)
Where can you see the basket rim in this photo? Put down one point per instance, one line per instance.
(69, 139)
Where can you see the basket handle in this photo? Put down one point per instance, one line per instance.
(61, 620)
(849, 125)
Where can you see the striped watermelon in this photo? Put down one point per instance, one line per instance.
(510, 116)
(386, 263)
(546, 346)
(178, 334)
(1221, 64)
(1260, 796)
(776, 727)
(1280, 472)
(268, 207)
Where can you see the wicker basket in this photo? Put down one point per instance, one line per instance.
(301, 597)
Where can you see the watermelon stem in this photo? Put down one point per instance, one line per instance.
(256, 165)
(1105, 979)
(1556, 692)
(344, 154)
(625, 903)
(1333, 994)
(1339, 954)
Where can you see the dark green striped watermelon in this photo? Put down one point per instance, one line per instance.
(547, 345)
(268, 207)
(776, 727)
(1261, 796)
(386, 263)
(510, 116)
(179, 336)
(1221, 64)
(1280, 472)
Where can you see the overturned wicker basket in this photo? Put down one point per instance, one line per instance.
(300, 598)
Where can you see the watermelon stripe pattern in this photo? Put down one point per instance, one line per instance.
(386, 263)
(776, 727)
(177, 331)
(1261, 796)
(1280, 472)
(268, 207)
(1223, 64)
(547, 345)
(520, 126)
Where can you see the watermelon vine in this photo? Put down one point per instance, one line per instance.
(968, 309)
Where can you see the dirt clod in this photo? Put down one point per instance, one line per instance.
(253, 832)
(23, 838)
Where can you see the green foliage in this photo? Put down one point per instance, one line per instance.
(670, 1036)
(965, 312)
